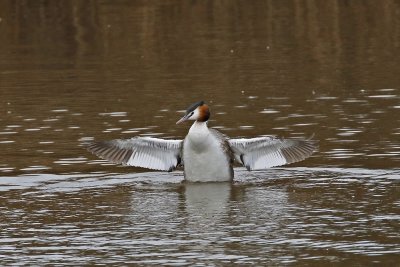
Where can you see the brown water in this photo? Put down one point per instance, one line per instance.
(72, 71)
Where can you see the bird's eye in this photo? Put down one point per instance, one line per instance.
(191, 114)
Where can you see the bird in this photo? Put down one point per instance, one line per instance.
(206, 154)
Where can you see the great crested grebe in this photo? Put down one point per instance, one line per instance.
(206, 154)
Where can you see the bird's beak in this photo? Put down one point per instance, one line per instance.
(184, 118)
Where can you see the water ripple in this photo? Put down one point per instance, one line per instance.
(155, 218)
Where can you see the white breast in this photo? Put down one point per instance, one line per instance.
(204, 157)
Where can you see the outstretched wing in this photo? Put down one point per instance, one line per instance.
(146, 152)
(269, 151)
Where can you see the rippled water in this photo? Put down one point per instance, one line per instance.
(296, 215)
(74, 71)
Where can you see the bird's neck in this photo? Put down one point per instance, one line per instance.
(199, 135)
(199, 127)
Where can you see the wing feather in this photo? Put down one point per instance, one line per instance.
(146, 152)
(269, 151)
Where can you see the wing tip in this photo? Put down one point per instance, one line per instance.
(301, 151)
(108, 151)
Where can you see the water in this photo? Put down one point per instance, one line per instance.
(74, 71)
(317, 214)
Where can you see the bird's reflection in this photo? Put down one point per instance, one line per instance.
(206, 200)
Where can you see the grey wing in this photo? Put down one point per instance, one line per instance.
(269, 151)
(146, 152)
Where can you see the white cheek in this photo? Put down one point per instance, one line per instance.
(195, 115)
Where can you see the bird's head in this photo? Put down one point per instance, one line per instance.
(198, 111)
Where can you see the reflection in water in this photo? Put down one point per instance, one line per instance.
(74, 71)
(292, 215)
(204, 200)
